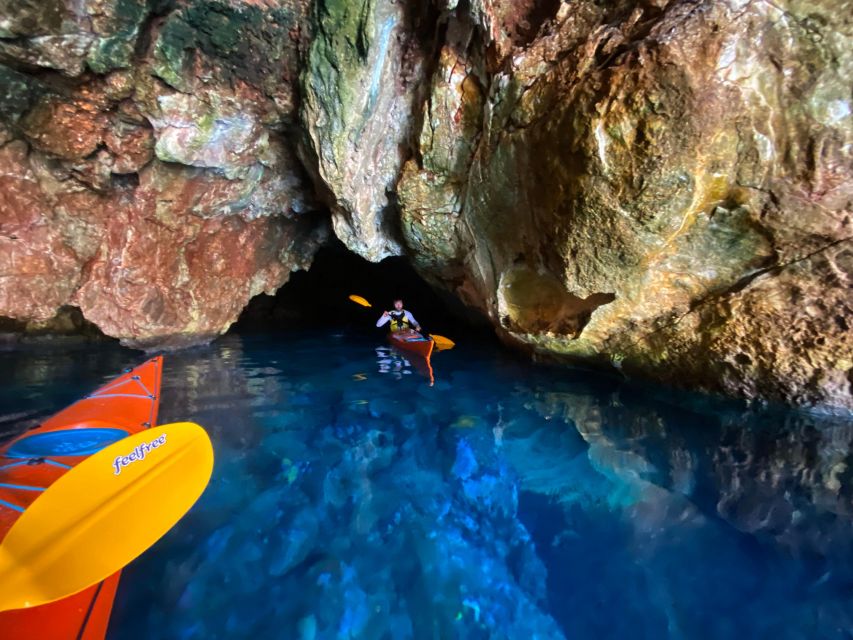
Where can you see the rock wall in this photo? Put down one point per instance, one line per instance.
(659, 186)
(361, 84)
(148, 164)
(664, 186)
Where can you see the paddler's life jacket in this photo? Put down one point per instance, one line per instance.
(399, 322)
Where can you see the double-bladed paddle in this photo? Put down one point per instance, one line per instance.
(103, 513)
(441, 343)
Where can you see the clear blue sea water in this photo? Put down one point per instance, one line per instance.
(351, 499)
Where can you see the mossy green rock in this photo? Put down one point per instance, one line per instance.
(71, 36)
(362, 76)
(234, 42)
(18, 94)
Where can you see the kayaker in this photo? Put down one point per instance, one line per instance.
(400, 319)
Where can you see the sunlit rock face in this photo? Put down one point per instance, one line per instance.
(662, 186)
(149, 174)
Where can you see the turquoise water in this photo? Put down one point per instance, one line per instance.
(350, 499)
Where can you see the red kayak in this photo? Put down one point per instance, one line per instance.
(414, 342)
(34, 460)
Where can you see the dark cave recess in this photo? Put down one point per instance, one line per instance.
(319, 297)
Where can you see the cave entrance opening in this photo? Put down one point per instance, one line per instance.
(318, 297)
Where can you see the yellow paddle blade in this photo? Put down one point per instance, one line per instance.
(103, 513)
(442, 343)
(360, 300)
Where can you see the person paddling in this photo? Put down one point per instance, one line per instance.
(400, 319)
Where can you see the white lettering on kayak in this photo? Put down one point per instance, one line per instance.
(138, 453)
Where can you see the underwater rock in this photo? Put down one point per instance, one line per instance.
(519, 505)
(775, 481)
(369, 541)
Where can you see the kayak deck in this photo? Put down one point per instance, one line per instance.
(412, 341)
(31, 462)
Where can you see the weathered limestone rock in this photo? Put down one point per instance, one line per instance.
(182, 277)
(40, 271)
(655, 185)
(70, 36)
(158, 199)
(431, 191)
(363, 76)
(218, 130)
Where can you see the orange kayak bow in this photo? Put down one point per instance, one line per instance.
(30, 463)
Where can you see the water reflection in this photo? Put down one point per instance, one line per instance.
(767, 475)
(396, 363)
(741, 524)
(352, 500)
(392, 362)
